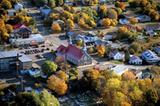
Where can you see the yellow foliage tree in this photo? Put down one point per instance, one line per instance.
(6, 4)
(68, 15)
(9, 28)
(106, 22)
(133, 20)
(62, 75)
(113, 83)
(101, 50)
(56, 27)
(70, 24)
(122, 29)
(92, 74)
(56, 84)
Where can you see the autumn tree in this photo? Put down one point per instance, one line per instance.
(62, 75)
(151, 97)
(101, 50)
(9, 28)
(49, 67)
(128, 75)
(133, 20)
(70, 24)
(44, 98)
(121, 5)
(112, 14)
(6, 4)
(79, 42)
(56, 27)
(56, 84)
(102, 10)
(106, 22)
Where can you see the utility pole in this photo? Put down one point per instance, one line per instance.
(17, 65)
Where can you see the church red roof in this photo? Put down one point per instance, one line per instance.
(71, 50)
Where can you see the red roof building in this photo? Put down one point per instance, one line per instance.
(74, 55)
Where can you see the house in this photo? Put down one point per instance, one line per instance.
(70, 2)
(9, 60)
(124, 21)
(119, 69)
(151, 33)
(116, 55)
(102, 1)
(11, 12)
(154, 27)
(108, 37)
(25, 62)
(135, 60)
(23, 32)
(143, 18)
(87, 38)
(74, 55)
(45, 11)
(157, 50)
(34, 39)
(18, 6)
(150, 57)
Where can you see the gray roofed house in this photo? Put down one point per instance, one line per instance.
(150, 57)
(9, 59)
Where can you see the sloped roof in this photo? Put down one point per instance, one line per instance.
(74, 51)
(71, 50)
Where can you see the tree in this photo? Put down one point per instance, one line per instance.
(102, 10)
(122, 30)
(127, 56)
(128, 75)
(35, 99)
(113, 83)
(49, 67)
(112, 14)
(9, 28)
(133, 20)
(56, 84)
(51, 3)
(56, 27)
(151, 97)
(70, 24)
(62, 75)
(6, 4)
(106, 22)
(101, 50)
(122, 5)
(48, 99)
(79, 42)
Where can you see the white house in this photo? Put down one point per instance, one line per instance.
(157, 50)
(124, 21)
(34, 39)
(11, 12)
(116, 55)
(150, 56)
(87, 38)
(18, 6)
(119, 69)
(135, 60)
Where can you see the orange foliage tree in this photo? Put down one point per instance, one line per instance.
(56, 84)
(56, 27)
